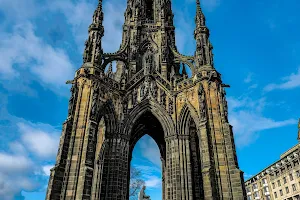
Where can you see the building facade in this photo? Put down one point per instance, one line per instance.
(279, 181)
(150, 93)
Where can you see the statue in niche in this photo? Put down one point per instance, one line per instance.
(163, 98)
(202, 104)
(154, 89)
(134, 97)
(142, 194)
(207, 54)
(74, 90)
(149, 62)
(225, 103)
(145, 88)
(94, 102)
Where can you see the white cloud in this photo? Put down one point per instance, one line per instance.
(19, 10)
(150, 150)
(22, 166)
(210, 5)
(14, 163)
(248, 121)
(22, 49)
(40, 142)
(46, 169)
(78, 15)
(14, 175)
(17, 148)
(290, 82)
(113, 22)
(249, 78)
(153, 182)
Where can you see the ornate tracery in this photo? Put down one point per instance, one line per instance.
(151, 89)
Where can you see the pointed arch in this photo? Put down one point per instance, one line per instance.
(157, 110)
(187, 113)
(188, 126)
(107, 111)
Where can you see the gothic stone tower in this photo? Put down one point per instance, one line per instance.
(150, 93)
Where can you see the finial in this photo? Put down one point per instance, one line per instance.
(200, 19)
(110, 71)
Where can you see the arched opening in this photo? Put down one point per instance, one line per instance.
(147, 154)
(118, 71)
(149, 10)
(188, 126)
(145, 169)
(185, 70)
(195, 161)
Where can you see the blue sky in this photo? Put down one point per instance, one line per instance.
(256, 47)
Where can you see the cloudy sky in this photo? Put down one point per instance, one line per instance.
(256, 47)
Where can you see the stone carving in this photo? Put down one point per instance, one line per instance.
(202, 103)
(94, 159)
(224, 102)
(94, 103)
(149, 63)
(72, 101)
(134, 97)
(145, 89)
(171, 106)
(142, 194)
(163, 98)
(154, 89)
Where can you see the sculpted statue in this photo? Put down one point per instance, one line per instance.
(142, 194)
(94, 102)
(202, 104)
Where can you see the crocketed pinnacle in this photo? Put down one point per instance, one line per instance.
(98, 14)
(93, 47)
(200, 18)
(110, 71)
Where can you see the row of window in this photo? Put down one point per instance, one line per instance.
(287, 190)
(284, 180)
(250, 198)
(287, 168)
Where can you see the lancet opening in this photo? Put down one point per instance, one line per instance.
(149, 10)
(148, 128)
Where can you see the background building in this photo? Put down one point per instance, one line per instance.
(280, 180)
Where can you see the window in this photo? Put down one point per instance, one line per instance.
(287, 190)
(284, 180)
(278, 182)
(281, 193)
(291, 177)
(254, 186)
(273, 184)
(266, 189)
(268, 198)
(298, 173)
(275, 194)
(149, 9)
(264, 181)
(294, 187)
(255, 194)
(248, 190)
(249, 198)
